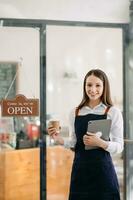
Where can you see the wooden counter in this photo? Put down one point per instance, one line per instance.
(59, 164)
(20, 174)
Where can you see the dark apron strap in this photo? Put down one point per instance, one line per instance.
(107, 109)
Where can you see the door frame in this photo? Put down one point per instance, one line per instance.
(41, 26)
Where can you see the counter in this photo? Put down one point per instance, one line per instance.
(59, 164)
(20, 174)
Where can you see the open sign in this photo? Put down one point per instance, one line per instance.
(20, 106)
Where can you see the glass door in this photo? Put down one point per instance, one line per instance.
(128, 164)
(19, 136)
(68, 50)
(71, 52)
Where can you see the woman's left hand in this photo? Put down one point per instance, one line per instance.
(92, 139)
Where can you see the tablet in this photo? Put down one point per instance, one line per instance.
(101, 128)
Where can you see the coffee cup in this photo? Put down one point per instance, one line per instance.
(55, 124)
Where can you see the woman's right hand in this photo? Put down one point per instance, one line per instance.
(55, 135)
(52, 131)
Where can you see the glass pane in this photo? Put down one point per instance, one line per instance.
(19, 136)
(71, 52)
(129, 122)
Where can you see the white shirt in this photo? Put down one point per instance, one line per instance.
(115, 145)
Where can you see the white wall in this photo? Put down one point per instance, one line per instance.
(22, 43)
(116, 11)
(76, 50)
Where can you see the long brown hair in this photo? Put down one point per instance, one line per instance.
(106, 96)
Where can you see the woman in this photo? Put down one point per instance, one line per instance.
(93, 175)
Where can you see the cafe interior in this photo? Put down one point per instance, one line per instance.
(46, 57)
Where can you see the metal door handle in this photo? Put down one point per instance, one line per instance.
(128, 141)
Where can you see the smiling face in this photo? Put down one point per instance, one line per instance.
(94, 88)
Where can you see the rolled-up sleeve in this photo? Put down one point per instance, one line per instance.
(71, 141)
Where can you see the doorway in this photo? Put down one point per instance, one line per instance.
(74, 61)
(70, 53)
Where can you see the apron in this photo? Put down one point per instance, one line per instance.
(93, 175)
